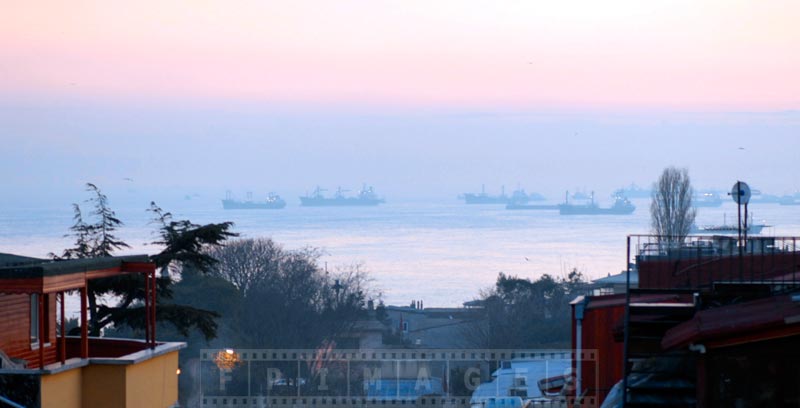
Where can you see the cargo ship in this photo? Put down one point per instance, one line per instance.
(729, 229)
(273, 202)
(365, 197)
(707, 199)
(621, 206)
(518, 197)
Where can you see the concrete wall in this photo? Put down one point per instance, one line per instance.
(103, 386)
(63, 389)
(152, 383)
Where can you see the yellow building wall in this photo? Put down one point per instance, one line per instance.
(103, 386)
(153, 383)
(62, 390)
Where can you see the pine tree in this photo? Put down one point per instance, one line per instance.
(184, 244)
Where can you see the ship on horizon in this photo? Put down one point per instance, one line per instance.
(752, 228)
(632, 191)
(365, 197)
(518, 197)
(621, 206)
(705, 199)
(273, 202)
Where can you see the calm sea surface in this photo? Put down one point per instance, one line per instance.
(442, 253)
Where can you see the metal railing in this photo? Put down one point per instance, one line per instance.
(701, 261)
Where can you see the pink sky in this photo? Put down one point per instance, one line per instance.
(689, 55)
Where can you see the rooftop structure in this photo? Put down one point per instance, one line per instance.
(708, 322)
(42, 366)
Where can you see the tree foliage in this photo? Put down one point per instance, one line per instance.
(671, 211)
(97, 239)
(183, 244)
(287, 300)
(521, 313)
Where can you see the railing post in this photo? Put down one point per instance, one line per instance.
(41, 316)
(627, 328)
(84, 324)
(147, 308)
(63, 340)
(153, 309)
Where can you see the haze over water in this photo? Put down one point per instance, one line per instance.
(424, 100)
(443, 253)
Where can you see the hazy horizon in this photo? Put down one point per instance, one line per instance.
(422, 100)
(171, 151)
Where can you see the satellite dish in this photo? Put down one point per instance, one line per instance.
(740, 192)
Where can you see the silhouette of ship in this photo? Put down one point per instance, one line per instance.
(273, 202)
(518, 206)
(729, 229)
(518, 197)
(366, 197)
(632, 191)
(621, 206)
(707, 199)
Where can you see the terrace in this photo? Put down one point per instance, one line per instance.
(42, 366)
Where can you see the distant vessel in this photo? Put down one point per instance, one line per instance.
(622, 206)
(728, 229)
(581, 195)
(366, 197)
(519, 196)
(632, 191)
(484, 198)
(707, 199)
(790, 199)
(273, 202)
(518, 206)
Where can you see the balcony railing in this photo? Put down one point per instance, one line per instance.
(702, 261)
(104, 347)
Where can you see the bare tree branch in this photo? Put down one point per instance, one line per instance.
(671, 211)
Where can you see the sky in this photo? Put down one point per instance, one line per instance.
(419, 98)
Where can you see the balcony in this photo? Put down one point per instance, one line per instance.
(118, 373)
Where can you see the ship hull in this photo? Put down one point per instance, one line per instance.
(513, 206)
(339, 202)
(251, 205)
(567, 209)
(476, 199)
(707, 204)
(727, 229)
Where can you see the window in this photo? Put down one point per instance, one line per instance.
(34, 319)
(405, 326)
(34, 332)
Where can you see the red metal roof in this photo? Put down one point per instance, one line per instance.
(776, 316)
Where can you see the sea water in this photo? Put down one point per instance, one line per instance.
(440, 252)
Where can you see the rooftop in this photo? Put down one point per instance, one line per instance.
(23, 267)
